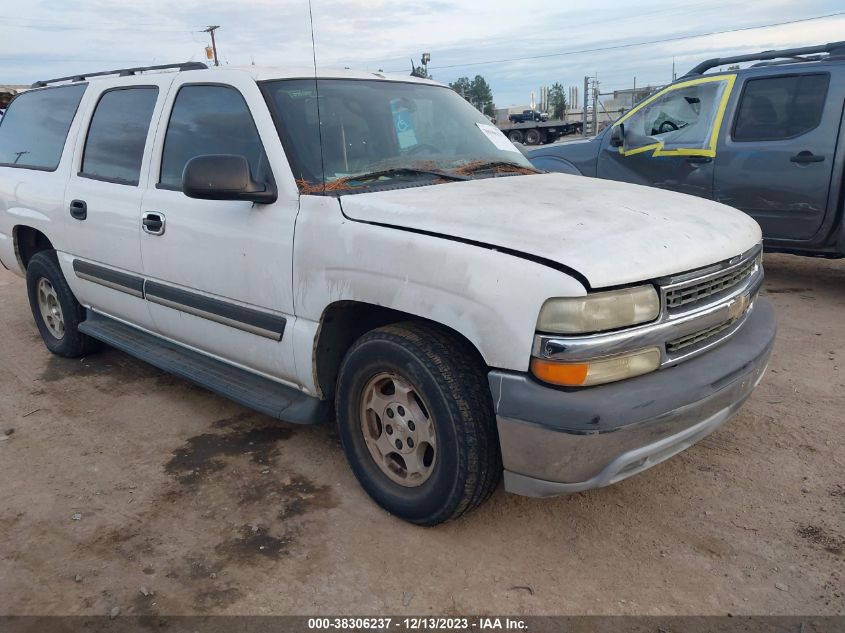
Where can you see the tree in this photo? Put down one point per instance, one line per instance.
(557, 101)
(477, 91)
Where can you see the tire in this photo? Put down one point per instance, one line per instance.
(43, 276)
(533, 137)
(516, 136)
(453, 398)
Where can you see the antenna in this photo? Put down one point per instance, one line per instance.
(317, 92)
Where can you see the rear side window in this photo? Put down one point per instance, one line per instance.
(34, 129)
(209, 120)
(117, 135)
(776, 108)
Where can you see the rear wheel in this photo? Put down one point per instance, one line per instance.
(533, 137)
(516, 136)
(56, 311)
(416, 422)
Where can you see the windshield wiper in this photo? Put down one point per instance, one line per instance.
(397, 171)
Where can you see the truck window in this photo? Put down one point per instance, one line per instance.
(209, 120)
(117, 135)
(682, 117)
(776, 108)
(34, 129)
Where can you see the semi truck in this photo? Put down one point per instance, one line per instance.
(540, 132)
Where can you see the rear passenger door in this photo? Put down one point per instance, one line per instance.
(103, 196)
(219, 272)
(775, 161)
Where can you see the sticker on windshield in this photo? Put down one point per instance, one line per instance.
(403, 121)
(496, 137)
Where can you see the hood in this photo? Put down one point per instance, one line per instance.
(612, 233)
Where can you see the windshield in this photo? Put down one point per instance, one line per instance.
(377, 133)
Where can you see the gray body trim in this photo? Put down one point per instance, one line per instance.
(227, 313)
(570, 440)
(114, 279)
(247, 319)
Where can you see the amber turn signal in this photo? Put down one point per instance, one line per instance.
(567, 374)
(599, 371)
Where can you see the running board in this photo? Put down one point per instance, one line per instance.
(256, 392)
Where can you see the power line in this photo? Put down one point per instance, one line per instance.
(633, 44)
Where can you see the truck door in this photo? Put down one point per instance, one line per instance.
(103, 197)
(218, 273)
(670, 138)
(776, 160)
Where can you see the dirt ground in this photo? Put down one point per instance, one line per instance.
(121, 486)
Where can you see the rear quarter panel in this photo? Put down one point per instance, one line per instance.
(35, 198)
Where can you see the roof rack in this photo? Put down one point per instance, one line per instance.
(790, 55)
(123, 72)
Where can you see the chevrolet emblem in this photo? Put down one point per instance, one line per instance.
(738, 306)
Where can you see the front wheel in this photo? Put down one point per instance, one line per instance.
(56, 311)
(417, 424)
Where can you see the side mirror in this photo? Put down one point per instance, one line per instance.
(617, 135)
(224, 177)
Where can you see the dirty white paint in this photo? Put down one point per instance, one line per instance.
(490, 297)
(612, 233)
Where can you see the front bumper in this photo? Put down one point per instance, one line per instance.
(556, 442)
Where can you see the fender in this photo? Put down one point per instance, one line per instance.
(555, 163)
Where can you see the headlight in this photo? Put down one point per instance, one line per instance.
(599, 311)
(597, 372)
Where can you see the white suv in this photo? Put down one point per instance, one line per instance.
(373, 246)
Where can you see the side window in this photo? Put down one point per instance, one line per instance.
(776, 108)
(34, 129)
(117, 135)
(683, 117)
(209, 120)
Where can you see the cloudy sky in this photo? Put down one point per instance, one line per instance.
(517, 45)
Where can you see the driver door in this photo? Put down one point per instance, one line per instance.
(670, 138)
(218, 272)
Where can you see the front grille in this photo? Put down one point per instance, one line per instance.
(698, 339)
(691, 295)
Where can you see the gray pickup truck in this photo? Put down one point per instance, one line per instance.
(767, 139)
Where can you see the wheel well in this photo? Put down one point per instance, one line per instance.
(345, 322)
(28, 242)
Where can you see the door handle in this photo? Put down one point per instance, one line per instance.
(699, 160)
(78, 209)
(153, 223)
(806, 157)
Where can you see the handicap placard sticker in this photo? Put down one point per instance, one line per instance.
(403, 121)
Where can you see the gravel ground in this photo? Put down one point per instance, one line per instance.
(122, 487)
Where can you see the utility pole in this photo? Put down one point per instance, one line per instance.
(211, 30)
(584, 108)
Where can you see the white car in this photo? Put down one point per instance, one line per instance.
(373, 247)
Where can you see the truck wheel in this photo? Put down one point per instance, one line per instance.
(417, 424)
(516, 136)
(56, 311)
(533, 137)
